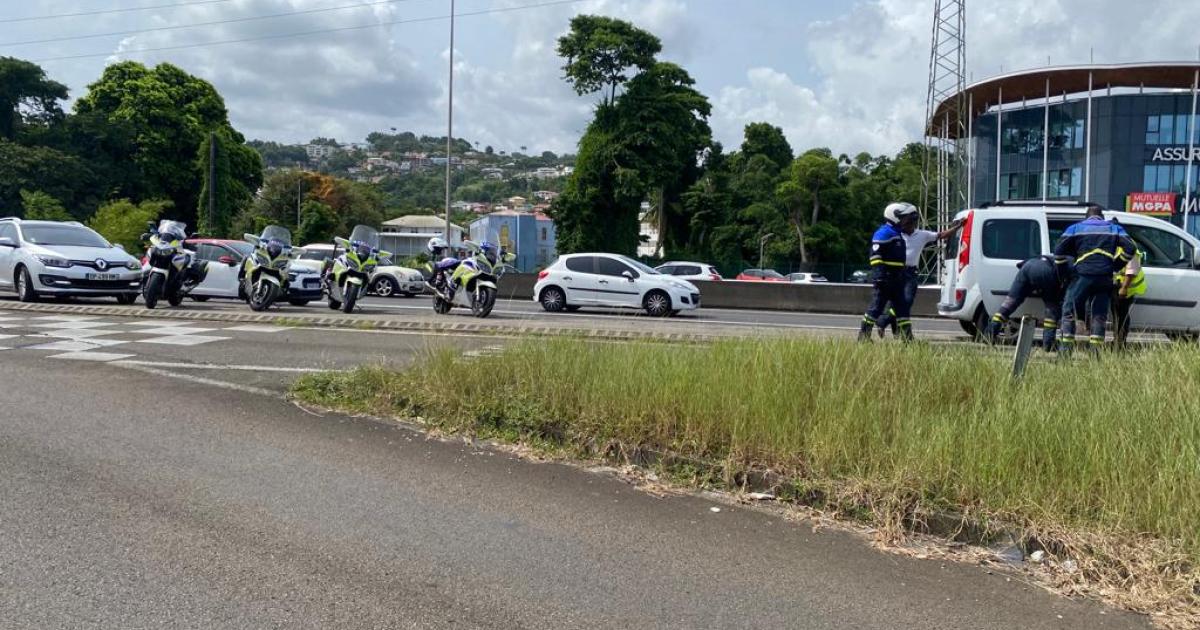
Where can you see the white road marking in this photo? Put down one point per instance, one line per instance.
(71, 325)
(199, 379)
(102, 357)
(173, 330)
(82, 333)
(75, 345)
(210, 366)
(182, 340)
(8, 336)
(158, 322)
(263, 328)
(70, 318)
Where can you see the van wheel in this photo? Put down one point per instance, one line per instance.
(981, 324)
(969, 328)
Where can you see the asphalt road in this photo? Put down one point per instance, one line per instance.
(175, 487)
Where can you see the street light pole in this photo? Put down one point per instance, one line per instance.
(449, 120)
(762, 244)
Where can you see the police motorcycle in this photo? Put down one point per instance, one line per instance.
(347, 277)
(171, 271)
(471, 281)
(264, 273)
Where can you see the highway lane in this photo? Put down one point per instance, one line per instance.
(174, 498)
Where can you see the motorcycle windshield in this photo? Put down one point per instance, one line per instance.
(278, 234)
(365, 235)
(173, 229)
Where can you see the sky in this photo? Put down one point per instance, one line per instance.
(845, 74)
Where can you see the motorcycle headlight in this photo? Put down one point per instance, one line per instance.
(274, 249)
(52, 261)
(164, 246)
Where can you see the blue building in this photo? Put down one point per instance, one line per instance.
(530, 235)
(1124, 136)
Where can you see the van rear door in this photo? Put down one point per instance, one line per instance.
(951, 252)
(1005, 240)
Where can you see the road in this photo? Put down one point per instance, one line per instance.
(160, 479)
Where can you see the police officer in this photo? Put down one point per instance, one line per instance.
(1100, 249)
(887, 274)
(1046, 277)
(915, 242)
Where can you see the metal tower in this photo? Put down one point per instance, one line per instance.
(945, 175)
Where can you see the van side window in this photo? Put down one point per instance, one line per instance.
(1161, 248)
(1012, 239)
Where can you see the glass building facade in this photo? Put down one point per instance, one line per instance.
(1139, 144)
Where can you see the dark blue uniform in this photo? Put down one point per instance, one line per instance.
(1100, 249)
(887, 276)
(1044, 277)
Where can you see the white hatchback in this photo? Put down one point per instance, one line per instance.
(612, 280)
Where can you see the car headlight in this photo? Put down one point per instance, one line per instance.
(52, 261)
(679, 285)
(416, 277)
(133, 265)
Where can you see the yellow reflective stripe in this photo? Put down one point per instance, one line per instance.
(1095, 251)
(997, 318)
(887, 262)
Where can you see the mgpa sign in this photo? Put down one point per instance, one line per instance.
(1155, 203)
(1175, 154)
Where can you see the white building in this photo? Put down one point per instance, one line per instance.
(321, 151)
(407, 235)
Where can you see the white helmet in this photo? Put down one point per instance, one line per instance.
(898, 210)
(436, 244)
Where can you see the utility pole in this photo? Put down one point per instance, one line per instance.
(449, 121)
(762, 245)
(299, 196)
(212, 183)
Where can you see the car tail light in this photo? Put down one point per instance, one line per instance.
(714, 277)
(543, 273)
(964, 244)
(960, 296)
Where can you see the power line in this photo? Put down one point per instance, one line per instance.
(307, 33)
(176, 27)
(107, 11)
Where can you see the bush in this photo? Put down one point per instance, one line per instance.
(122, 222)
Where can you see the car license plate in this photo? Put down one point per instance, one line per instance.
(102, 276)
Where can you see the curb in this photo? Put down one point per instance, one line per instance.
(362, 323)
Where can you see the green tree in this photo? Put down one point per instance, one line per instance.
(600, 51)
(123, 222)
(38, 206)
(813, 183)
(350, 202)
(169, 114)
(318, 223)
(56, 173)
(27, 96)
(230, 191)
(768, 140)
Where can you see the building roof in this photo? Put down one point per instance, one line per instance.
(1031, 84)
(420, 221)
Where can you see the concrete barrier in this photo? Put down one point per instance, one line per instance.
(766, 296)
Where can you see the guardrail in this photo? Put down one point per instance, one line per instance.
(766, 296)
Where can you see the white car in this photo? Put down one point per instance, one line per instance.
(690, 271)
(576, 280)
(805, 277)
(40, 258)
(386, 281)
(981, 263)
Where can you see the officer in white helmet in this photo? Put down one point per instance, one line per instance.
(915, 242)
(440, 264)
(887, 257)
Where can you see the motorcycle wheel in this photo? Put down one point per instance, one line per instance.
(152, 289)
(484, 301)
(351, 295)
(334, 304)
(440, 306)
(175, 298)
(263, 296)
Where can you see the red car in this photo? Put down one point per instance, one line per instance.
(761, 275)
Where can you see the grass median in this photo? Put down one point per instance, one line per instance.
(1107, 449)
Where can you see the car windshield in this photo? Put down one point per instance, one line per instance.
(69, 235)
(639, 266)
(241, 247)
(316, 254)
(771, 273)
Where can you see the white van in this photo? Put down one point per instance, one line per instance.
(979, 266)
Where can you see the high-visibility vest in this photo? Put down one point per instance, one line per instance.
(1138, 285)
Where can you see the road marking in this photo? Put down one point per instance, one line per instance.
(8, 336)
(102, 357)
(199, 379)
(158, 322)
(71, 325)
(172, 330)
(75, 345)
(210, 366)
(83, 333)
(70, 318)
(182, 340)
(263, 328)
